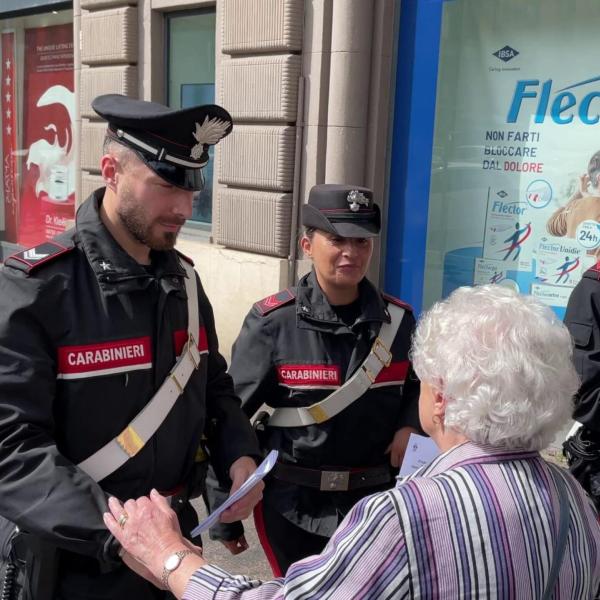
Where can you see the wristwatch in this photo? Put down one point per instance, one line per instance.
(171, 563)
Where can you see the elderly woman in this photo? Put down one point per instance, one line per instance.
(488, 518)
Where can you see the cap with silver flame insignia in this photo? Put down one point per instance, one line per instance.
(344, 210)
(173, 143)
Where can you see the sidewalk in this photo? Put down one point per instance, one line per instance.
(252, 562)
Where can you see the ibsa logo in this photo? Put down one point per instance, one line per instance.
(507, 53)
(563, 104)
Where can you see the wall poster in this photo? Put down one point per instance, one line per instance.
(9, 135)
(47, 194)
(515, 182)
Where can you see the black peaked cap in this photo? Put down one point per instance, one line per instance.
(174, 143)
(344, 210)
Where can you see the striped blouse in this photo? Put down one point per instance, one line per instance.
(478, 522)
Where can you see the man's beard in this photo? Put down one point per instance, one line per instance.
(133, 217)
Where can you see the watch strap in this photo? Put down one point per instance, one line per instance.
(166, 572)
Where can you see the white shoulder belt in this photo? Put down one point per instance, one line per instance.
(379, 357)
(135, 436)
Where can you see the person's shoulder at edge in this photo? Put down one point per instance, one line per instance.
(35, 261)
(592, 274)
(393, 300)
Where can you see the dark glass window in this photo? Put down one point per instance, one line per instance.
(191, 80)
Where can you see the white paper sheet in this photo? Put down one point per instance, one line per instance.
(265, 466)
(420, 451)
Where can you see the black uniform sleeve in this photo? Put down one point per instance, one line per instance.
(230, 433)
(583, 321)
(41, 491)
(215, 494)
(411, 388)
(252, 363)
(250, 368)
(410, 396)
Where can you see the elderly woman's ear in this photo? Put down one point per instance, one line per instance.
(439, 400)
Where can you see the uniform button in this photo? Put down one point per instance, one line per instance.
(304, 308)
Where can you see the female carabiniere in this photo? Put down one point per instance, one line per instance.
(330, 356)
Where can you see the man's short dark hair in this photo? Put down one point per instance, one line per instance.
(112, 146)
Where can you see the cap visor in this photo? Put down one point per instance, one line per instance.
(356, 230)
(182, 177)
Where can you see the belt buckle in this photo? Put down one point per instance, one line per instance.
(335, 481)
(378, 347)
(369, 374)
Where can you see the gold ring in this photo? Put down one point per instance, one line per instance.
(123, 519)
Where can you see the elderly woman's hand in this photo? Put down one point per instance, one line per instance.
(148, 531)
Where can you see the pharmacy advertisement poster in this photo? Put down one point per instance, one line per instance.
(517, 131)
(47, 194)
(8, 103)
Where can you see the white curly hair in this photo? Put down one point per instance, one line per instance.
(503, 362)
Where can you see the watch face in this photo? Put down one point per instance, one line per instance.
(172, 562)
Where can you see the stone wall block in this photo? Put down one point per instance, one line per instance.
(253, 220)
(97, 4)
(349, 89)
(121, 79)
(261, 88)
(316, 71)
(109, 36)
(349, 143)
(351, 25)
(92, 137)
(90, 183)
(253, 26)
(258, 157)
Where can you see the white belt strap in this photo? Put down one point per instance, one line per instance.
(135, 436)
(379, 357)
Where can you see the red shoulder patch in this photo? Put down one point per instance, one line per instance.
(596, 267)
(397, 301)
(270, 303)
(32, 258)
(186, 258)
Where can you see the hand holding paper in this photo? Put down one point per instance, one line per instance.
(267, 464)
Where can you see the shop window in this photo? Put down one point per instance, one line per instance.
(191, 81)
(514, 199)
(37, 195)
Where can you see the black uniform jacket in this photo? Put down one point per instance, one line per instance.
(294, 351)
(583, 321)
(87, 335)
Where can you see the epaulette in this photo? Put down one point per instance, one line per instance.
(270, 303)
(186, 258)
(35, 257)
(596, 270)
(397, 302)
